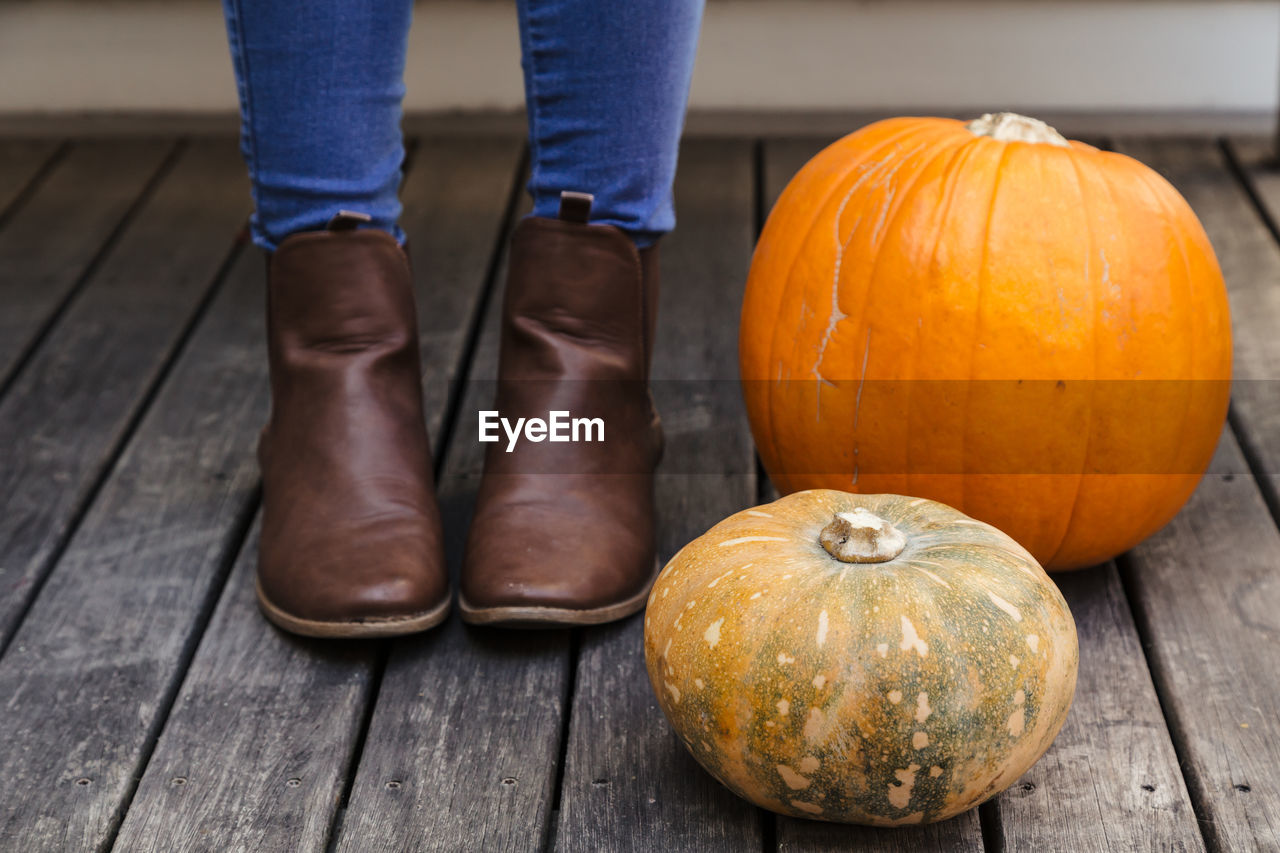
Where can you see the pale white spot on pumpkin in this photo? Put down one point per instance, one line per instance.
(807, 807)
(917, 502)
(786, 577)
(922, 708)
(717, 580)
(784, 707)
(861, 518)
(895, 696)
(935, 771)
(675, 691)
(900, 794)
(665, 590)
(883, 650)
(794, 780)
(822, 627)
(813, 725)
(768, 724)
(1034, 642)
(666, 650)
(819, 681)
(809, 763)
(911, 640)
(1014, 660)
(1017, 720)
(690, 604)
(933, 577)
(743, 539)
(783, 657)
(920, 740)
(697, 682)
(712, 634)
(757, 595)
(1005, 606)
(1019, 697)
(756, 513)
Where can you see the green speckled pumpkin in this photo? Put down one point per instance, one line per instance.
(867, 659)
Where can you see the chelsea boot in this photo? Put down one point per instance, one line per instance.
(563, 532)
(351, 540)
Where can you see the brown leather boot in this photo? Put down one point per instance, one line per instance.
(351, 543)
(563, 532)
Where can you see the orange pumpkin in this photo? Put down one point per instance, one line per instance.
(1028, 329)
(860, 658)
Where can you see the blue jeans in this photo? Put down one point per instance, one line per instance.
(321, 84)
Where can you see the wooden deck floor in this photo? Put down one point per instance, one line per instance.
(145, 705)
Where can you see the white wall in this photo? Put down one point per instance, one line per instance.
(908, 55)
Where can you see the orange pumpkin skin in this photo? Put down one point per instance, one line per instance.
(887, 693)
(1037, 335)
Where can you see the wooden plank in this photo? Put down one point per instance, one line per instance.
(1253, 279)
(1207, 592)
(1212, 638)
(52, 239)
(70, 408)
(256, 750)
(462, 748)
(21, 161)
(1111, 779)
(961, 833)
(90, 673)
(629, 784)
(263, 732)
(454, 200)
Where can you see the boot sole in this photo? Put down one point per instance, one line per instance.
(395, 626)
(555, 617)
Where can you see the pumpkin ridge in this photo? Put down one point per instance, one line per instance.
(950, 176)
(1159, 191)
(1190, 319)
(1094, 299)
(837, 314)
(893, 205)
(788, 281)
(899, 204)
(977, 319)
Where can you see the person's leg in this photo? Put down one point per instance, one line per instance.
(606, 86)
(350, 537)
(320, 87)
(564, 533)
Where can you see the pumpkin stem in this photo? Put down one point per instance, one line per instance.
(1011, 127)
(862, 536)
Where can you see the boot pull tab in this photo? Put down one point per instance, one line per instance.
(576, 207)
(348, 220)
